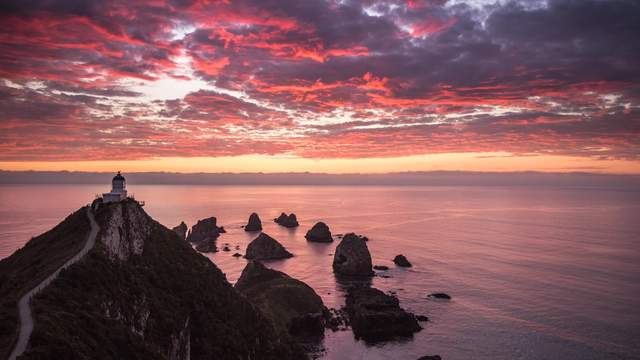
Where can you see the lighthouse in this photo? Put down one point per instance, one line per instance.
(118, 189)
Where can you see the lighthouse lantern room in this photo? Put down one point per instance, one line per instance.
(118, 189)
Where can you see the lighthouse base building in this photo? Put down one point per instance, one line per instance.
(118, 190)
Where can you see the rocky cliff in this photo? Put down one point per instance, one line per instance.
(141, 292)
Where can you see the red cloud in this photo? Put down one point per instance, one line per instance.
(315, 80)
(430, 26)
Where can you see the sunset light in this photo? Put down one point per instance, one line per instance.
(326, 84)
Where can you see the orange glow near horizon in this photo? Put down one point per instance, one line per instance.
(487, 162)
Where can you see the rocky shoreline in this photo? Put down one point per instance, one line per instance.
(294, 311)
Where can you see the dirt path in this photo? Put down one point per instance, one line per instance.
(24, 308)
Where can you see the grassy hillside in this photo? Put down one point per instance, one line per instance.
(162, 304)
(31, 264)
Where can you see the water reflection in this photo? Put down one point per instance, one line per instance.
(527, 266)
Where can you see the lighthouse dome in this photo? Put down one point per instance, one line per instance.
(118, 177)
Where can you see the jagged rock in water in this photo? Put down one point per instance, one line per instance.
(430, 357)
(254, 223)
(137, 294)
(204, 230)
(376, 316)
(319, 233)
(237, 255)
(380, 267)
(181, 230)
(204, 235)
(401, 261)
(291, 304)
(285, 220)
(264, 247)
(352, 257)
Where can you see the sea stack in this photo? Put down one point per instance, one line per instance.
(254, 223)
(264, 247)
(401, 261)
(352, 257)
(319, 233)
(289, 221)
(204, 234)
(181, 230)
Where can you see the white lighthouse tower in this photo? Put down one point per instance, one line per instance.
(118, 190)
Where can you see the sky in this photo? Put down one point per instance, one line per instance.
(333, 86)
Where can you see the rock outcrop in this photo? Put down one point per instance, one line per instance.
(439, 295)
(126, 230)
(204, 235)
(291, 304)
(137, 295)
(181, 230)
(401, 261)
(319, 233)
(376, 316)
(289, 221)
(264, 247)
(254, 223)
(352, 257)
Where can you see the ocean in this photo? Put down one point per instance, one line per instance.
(534, 272)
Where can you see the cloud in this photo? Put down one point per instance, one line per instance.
(319, 79)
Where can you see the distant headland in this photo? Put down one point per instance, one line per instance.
(431, 178)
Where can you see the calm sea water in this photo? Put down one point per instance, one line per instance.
(535, 273)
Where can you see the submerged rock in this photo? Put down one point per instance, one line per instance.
(352, 257)
(264, 247)
(292, 305)
(381, 267)
(285, 220)
(237, 255)
(181, 230)
(402, 261)
(376, 316)
(430, 357)
(439, 295)
(319, 233)
(254, 223)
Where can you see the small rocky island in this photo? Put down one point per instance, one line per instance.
(319, 233)
(401, 261)
(264, 247)
(204, 235)
(289, 221)
(254, 223)
(376, 316)
(352, 257)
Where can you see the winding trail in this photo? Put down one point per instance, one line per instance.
(24, 307)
